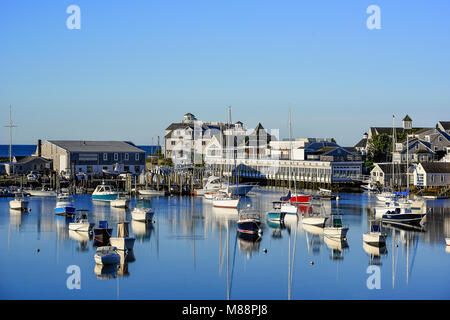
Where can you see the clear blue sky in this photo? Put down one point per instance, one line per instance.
(136, 66)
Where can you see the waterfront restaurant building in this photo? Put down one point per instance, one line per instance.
(92, 157)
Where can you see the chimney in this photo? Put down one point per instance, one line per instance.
(39, 148)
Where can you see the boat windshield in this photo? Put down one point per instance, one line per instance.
(337, 222)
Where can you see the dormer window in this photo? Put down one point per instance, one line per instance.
(116, 156)
(126, 157)
(105, 157)
(136, 156)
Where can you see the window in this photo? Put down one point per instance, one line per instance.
(105, 157)
(116, 156)
(203, 143)
(136, 156)
(126, 157)
(172, 143)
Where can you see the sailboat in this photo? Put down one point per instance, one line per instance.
(336, 230)
(374, 237)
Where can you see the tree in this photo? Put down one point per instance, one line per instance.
(379, 147)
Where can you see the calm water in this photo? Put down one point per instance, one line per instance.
(191, 251)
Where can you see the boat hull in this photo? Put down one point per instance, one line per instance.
(314, 221)
(226, 203)
(65, 210)
(120, 203)
(106, 259)
(374, 238)
(447, 241)
(151, 193)
(105, 197)
(81, 227)
(403, 217)
(102, 235)
(122, 243)
(335, 233)
(248, 227)
(240, 190)
(301, 198)
(40, 193)
(18, 205)
(142, 215)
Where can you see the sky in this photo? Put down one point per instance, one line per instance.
(134, 67)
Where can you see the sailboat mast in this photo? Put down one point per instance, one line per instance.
(11, 125)
(393, 146)
(290, 147)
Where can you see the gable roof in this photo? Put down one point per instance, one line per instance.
(361, 144)
(445, 124)
(436, 167)
(407, 118)
(96, 146)
(386, 167)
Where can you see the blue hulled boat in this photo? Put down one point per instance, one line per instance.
(65, 205)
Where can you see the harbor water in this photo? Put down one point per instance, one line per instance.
(191, 251)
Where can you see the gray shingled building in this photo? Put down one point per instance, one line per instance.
(92, 157)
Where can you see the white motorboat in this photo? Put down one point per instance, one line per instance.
(370, 187)
(19, 202)
(318, 221)
(142, 214)
(152, 192)
(107, 255)
(289, 208)
(104, 192)
(81, 223)
(447, 241)
(374, 237)
(399, 213)
(121, 201)
(123, 241)
(226, 200)
(42, 192)
(336, 229)
(212, 185)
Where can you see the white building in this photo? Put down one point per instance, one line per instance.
(432, 174)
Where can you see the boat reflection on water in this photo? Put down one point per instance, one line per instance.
(83, 239)
(313, 238)
(248, 243)
(15, 218)
(225, 213)
(106, 271)
(375, 253)
(337, 247)
(125, 258)
(142, 230)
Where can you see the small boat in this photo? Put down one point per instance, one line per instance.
(152, 192)
(64, 205)
(81, 223)
(226, 200)
(326, 194)
(123, 241)
(314, 220)
(249, 222)
(240, 189)
(42, 192)
(289, 208)
(297, 197)
(142, 214)
(121, 201)
(211, 185)
(102, 233)
(19, 202)
(104, 192)
(107, 255)
(447, 241)
(336, 229)
(276, 215)
(402, 214)
(374, 237)
(370, 187)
